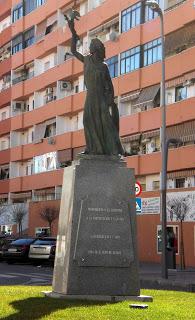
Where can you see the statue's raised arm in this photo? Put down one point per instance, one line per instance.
(75, 15)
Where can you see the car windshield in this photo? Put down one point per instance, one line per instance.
(22, 242)
(45, 242)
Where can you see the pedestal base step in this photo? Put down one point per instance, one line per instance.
(56, 295)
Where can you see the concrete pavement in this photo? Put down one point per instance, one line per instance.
(150, 276)
(181, 280)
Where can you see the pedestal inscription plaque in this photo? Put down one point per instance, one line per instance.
(96, 251)
(104, 234)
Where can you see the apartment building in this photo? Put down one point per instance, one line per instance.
(42, 95)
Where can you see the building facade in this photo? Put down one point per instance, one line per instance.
(42, 94)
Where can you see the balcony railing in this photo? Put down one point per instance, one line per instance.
(24, 77)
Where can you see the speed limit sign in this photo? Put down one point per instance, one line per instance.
(138, 188)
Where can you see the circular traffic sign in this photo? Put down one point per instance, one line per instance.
(138, 188)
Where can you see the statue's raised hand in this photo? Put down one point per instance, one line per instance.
(75, 15)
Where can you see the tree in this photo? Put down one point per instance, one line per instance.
(19, 211)
(179, 207)
(2, 208)
(49, 214)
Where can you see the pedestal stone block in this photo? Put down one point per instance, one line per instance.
(96, 252)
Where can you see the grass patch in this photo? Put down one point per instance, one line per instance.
(27, 303)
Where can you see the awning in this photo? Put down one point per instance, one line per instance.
(151, 134)
(130, 96)
(22, 195)
(147, 95)
(64, 155)
(184, 131)
(134, 137)
(40, 129)
(179, 40)
(39, 132)
(44, 192)
(181, 174)
(4, 196)
(180, 80)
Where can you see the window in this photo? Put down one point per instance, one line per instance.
(180, 183)
(3, 115)
(3, 145)
(152, 52)
(50, 130)
(155, 185)
(17, 12)
(113, 66)
(172, 238)
(40, 2)
(29, 37)
(180, 93)
(29, 6)
(131, 17)
(42, 231)
(45, 162)
(17, 44)
(149, 13)
(130, 60)
(46, 65)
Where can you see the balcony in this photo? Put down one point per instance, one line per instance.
(36, 181)
(4, 156)
(5, 97)
(24, 77)
(4, 186)
(151, 163)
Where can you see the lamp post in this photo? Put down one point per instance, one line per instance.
(155, 7)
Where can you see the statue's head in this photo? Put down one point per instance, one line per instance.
(97, 47)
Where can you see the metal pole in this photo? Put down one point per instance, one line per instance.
(164, 151)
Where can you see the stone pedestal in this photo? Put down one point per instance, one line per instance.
(96, 252)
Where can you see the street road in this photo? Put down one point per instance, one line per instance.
(25, 274)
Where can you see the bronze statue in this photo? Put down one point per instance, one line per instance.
(101, 117)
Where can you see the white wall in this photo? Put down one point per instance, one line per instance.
(80, 120)
(5, 23)
(7, 113)
(29, 102)
(149, 181)
(170, 95)
(51, 59)
(124, 108)
(191, 91)
(83, 8)
(14, 169)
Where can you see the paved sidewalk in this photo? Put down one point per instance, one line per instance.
(181, 280)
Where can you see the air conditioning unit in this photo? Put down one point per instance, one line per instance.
(65, 85)
(51, 140)
(49, 90)
(113, 36)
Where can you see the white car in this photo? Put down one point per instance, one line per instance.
(43, 249)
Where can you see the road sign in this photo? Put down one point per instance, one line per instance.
(138, 188)
(138, 205)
